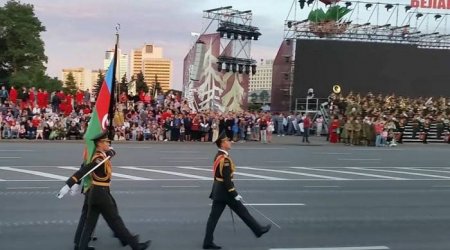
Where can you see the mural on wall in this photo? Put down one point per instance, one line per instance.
(207, 89)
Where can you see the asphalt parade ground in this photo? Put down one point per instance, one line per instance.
(324, 197)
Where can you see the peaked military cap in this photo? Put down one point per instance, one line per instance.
(222, 137)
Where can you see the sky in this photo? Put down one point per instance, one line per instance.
(79, 32)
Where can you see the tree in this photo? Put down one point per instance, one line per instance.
(22, 55)
(264, 96)
(124, 84)
(98, 84)
(253, 97)
(140, 83)
(70, 84)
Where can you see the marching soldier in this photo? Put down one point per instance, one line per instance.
(224, 193)
(76, 188)
(100, 200)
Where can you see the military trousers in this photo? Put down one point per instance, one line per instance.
(101, 202)
(237, 207)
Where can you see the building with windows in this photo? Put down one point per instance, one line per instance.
(262, 80)
(79, 75)
(150, 61)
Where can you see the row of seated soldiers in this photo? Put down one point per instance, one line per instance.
(371, 131)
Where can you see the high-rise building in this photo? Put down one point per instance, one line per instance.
(262, 80)
(78, 75)
(122, 63)
(149, 59)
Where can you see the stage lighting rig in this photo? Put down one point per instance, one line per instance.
(302, 3)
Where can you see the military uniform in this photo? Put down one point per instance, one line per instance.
(224, 194)
(100, 201)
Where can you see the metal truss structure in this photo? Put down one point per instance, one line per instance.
(236, 32)
(373, 22)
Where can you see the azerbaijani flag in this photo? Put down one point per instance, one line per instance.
(100, 117)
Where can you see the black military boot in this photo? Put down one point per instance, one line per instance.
(135, 245)
(144, 245)
(264, 230)
(211, 246)
(88, 248)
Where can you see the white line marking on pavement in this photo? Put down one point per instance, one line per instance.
(273, 204)
(239, 148)
(10, 157)
(125, 176)
(355, 173)
(15, 150)
(334, 153)
(170, 173)
(426, 170)
(322, 186)
(180, 186)
(185, 161)
(297, 173)
(401, 172)
(137, 147)
(25, 188)
(336, 248)
(239, 173)
(185, 158)
(348, 159)
(441, 186)
(180, 152)
(51, 176)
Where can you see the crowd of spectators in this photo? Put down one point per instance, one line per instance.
(32, 114)
(355, 119)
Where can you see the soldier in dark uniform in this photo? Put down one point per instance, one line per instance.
(224, 193)
(100, 200)
(75, 189)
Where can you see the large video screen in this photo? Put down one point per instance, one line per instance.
(362, 67)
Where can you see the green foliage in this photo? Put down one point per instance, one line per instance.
(98, 84)
(254, 106)
(70, 84)
(253, 97)
(140, 83)
(264, 96)
(22, 55)
(123, 84)
(334, 13)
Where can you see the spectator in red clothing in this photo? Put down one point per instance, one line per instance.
(79, 97)
(306, 127)
(141, 96)
(31, 97)
(86, 110)
(195, 129)
(68, 109)
(147, 99)
(123, 98)
(41, 99)
(61, 95)
(46, 98)
(69, 99)
(13, 95)
(334, 133)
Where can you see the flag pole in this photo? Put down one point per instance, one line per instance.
(113, 88)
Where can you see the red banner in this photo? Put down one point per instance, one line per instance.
(431, 4)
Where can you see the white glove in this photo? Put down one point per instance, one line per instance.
(76, 189)
(238, 197)
(64, 190)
